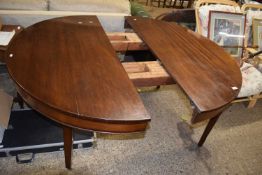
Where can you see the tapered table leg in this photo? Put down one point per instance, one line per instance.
(68, 145)
(208, 128)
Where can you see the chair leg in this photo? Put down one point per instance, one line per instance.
(164, 4)
(170, 3)
(253, 101)
(190, 2)
(208, 128)
(174, 4)
(181, 4)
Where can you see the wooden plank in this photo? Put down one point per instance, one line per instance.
(205, 72)
(77, 80)
(145, 74)
(126, 41)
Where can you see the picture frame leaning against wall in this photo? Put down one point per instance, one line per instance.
(257, 32)
(227, 29)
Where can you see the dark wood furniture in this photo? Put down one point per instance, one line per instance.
(183, 17)
(158, 2)
(8, 28)
(171, 3)
(68, 71)
(179, 16)
(189, 4)
(208, 75)
(205, 71)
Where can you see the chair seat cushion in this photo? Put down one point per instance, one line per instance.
(23, 5)
(251, 81)
(105, 6)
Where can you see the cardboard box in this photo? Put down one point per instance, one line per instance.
(6, 102)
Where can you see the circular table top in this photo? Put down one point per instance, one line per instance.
(68, 65)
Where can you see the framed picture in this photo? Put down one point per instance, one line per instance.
(227, 30)
(257, 32)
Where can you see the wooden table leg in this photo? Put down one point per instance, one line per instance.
(68, 145)
(208, 128)
(190, 3)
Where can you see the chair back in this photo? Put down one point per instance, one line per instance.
(183, 17)
(244, 9)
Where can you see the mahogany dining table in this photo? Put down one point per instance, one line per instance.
(67, 69)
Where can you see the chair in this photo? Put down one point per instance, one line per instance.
(252, 79)
(251, 11)
(181, 3)
(183, 17)
(158, 1)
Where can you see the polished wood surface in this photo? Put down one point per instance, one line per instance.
(82, 123)
(67, 69)
(204, 70)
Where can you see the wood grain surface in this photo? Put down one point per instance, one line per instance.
(204, 70)
(67, 69)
